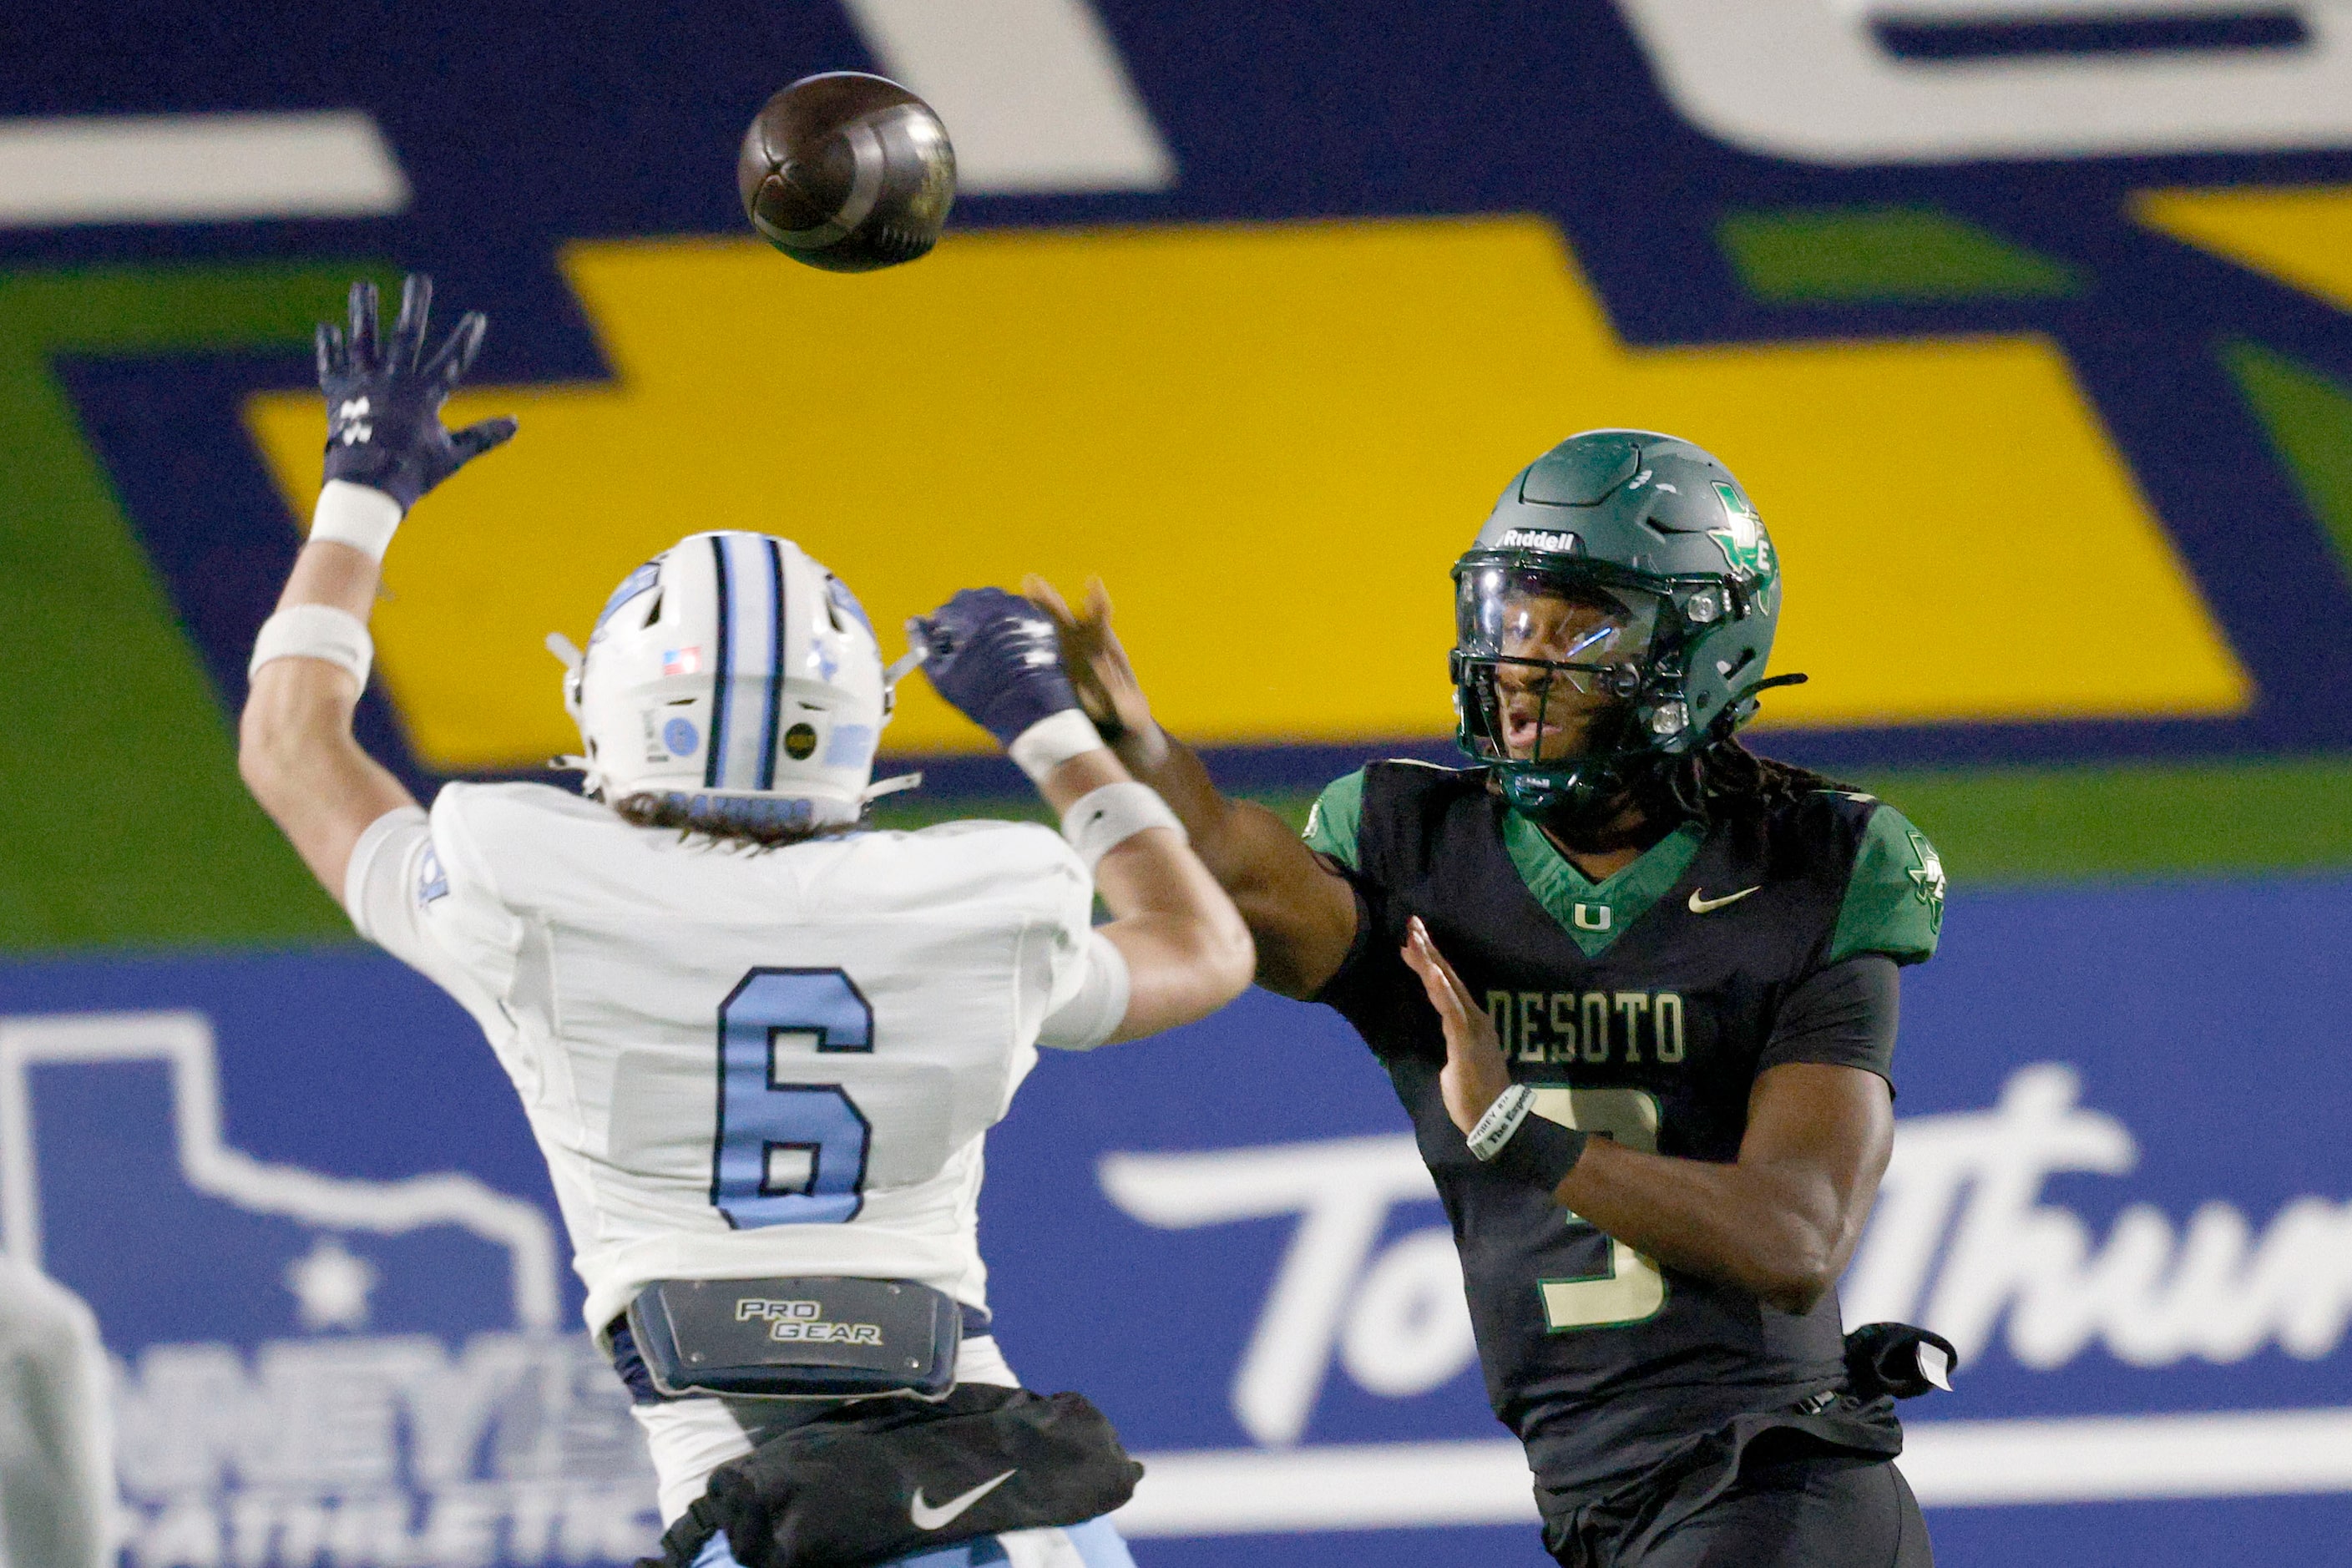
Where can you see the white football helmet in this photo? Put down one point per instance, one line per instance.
(735, 673)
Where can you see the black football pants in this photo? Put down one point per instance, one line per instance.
(1810, 1509)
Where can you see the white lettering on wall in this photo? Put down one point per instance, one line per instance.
(377, 1451)
(1961, 1241)
(1808, 80)
(1341, 1190)
(2214, 1289)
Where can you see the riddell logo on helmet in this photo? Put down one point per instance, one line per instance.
(1540, 539)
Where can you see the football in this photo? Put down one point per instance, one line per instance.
(848, 172)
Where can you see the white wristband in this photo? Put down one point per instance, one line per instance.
(1053, 741)
(1502, 1119)
(358, 515)
(315, 631)
(1102, 819)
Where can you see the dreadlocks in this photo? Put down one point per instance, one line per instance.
(1725, 780)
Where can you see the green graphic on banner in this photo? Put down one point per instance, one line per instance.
(119, 795)
(1884, 253)
(2308, 417)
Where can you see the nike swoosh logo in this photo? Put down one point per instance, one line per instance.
(926, 1517)
(1700, 905)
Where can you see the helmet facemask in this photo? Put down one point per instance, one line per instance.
(1568, 684)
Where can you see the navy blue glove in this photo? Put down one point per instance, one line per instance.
(384, 404)
(996, 658)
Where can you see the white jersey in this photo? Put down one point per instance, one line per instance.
(742, 1063)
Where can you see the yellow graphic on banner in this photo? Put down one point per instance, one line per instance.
(1272, 441)
(2300, 236)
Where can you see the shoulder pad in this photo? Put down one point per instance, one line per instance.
(1894, 899)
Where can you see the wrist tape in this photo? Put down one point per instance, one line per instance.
(1502, 1118)
(1053, 741)
(315, 631)
(1101, 820)
(358, 515)
(1513, 1140)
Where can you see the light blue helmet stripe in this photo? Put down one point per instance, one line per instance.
(753, 620)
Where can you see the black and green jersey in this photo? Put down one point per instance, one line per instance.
(1644, 1007)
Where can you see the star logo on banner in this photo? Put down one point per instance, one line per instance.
(330, 1286)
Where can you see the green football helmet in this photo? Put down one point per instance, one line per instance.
(1613, 616)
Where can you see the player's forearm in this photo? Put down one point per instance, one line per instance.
(1187, 950)
(1301, 917)
(1173, 769)
(295, 748)
(1180, 968)
(336, 575)
(1779, 1231)
(298, 712)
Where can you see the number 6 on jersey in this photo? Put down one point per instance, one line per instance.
(787, 1153)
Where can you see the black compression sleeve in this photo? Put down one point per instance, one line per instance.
(1843, 1016)
(1542, 1152)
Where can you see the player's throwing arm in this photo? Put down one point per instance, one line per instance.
(995, 657)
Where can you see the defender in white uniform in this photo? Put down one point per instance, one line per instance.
(753, 1040)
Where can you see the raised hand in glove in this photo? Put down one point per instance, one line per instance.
(995, 657)
(383, 401)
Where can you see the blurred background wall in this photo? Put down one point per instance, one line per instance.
(2025, 321)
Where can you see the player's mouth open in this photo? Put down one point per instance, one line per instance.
(1522, 733)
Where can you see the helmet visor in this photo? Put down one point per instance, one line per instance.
(1550, 660)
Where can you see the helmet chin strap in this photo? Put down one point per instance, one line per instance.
(1596, 825)
(881, 787)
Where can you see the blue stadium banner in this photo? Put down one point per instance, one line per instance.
(301, 1200)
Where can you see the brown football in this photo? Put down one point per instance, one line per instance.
(848, 172)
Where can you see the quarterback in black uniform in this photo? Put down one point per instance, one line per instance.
(1636, 987)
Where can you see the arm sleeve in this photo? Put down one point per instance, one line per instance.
(1842, 1015)
(394, 877)
(375, 888)
(1096, 1010)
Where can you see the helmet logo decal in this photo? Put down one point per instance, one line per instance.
(1742, 538)
(850, 746)
(800, 741)
(1558, 543)
(679, 736)
(681, 661)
